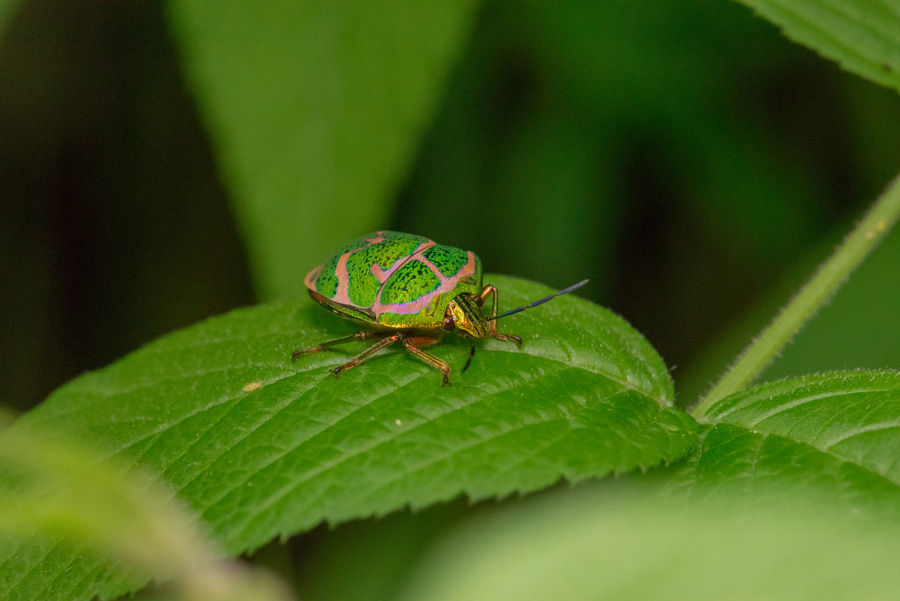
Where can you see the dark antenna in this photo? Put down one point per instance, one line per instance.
(540, 302)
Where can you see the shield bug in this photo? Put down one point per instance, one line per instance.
(408, 289)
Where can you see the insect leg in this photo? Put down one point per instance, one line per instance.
(492, 325)
(388, 340)
(364, 335)
(471, 354)
(431, 360)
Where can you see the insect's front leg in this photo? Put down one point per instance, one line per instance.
(364, 335)
(492, 324)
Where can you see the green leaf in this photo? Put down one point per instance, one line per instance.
(261, 447)
(838, 431)
(310, 105)
(623, 547)
(60, 491)
(863, 37)
(854, 416)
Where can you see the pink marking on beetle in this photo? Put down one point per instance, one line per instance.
(310, 279)
(382, 275)
(379, 237)
(342, 294)
(447, 285)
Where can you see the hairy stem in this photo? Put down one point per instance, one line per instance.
(815, 293)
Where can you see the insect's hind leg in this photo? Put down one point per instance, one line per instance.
(492, 324)
(364, 335)
(387, 341)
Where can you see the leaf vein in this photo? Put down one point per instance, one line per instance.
(289, 488)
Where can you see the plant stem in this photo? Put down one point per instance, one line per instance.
(815, 293)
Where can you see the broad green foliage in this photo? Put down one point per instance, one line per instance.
(311, 105)
(733, 463)
(863, 36)
(261, 447)
(321, 104)
(838, 431)
(624, 547)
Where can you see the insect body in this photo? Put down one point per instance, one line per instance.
(409, 289)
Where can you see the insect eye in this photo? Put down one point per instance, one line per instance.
(449, 323)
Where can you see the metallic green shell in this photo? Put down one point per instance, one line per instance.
(395, 280)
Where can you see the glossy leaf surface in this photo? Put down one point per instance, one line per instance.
(261, 447)
(837, 431)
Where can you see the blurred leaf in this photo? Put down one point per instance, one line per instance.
(371, 559)
(864, 37)
(837, 431)
(261, 447)
(624, 547)
(315, 110)
(58, 491)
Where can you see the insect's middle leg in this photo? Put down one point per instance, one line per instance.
(387, 341)
(414, 343)
(363, 335)
(492, 324)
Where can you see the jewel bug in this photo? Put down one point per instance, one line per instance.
(408, 289)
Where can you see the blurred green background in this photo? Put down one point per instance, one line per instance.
(689, 160)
